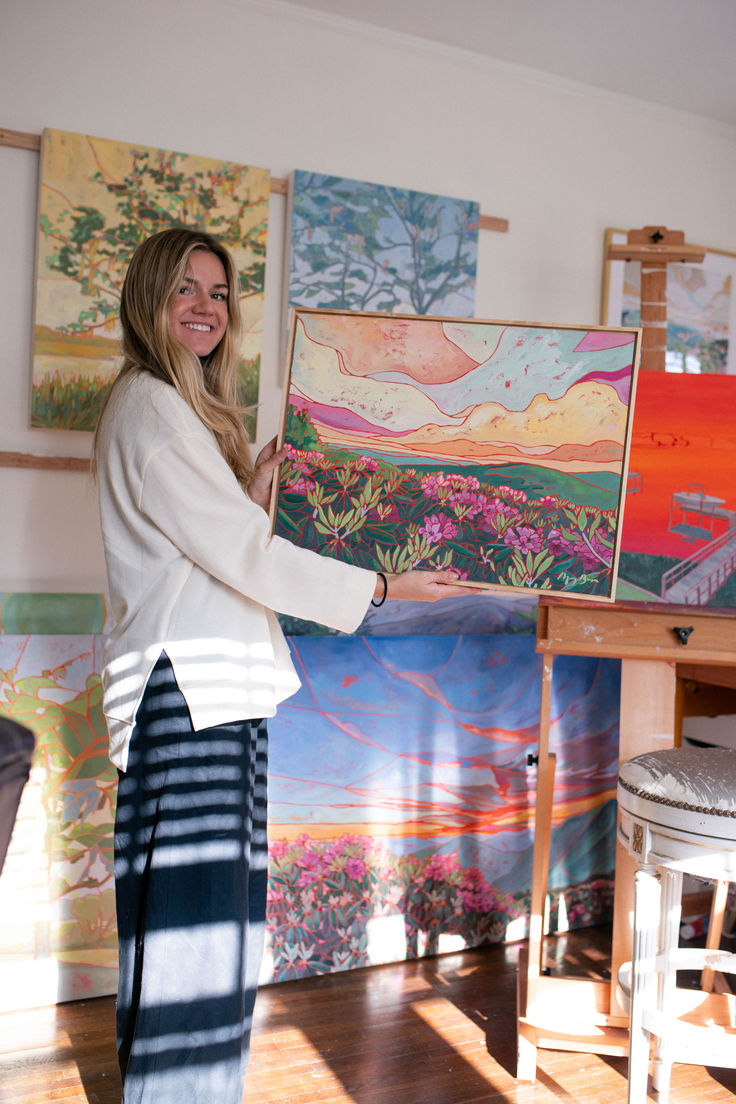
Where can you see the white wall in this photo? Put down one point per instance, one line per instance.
(261, 82)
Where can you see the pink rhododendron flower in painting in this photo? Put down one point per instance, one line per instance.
(475, 891)
(302, 486)
(481, 900)
(302, 466)
(278, 848)
(496, 516)
(355, 868)
(367, 463)
(525, 538)
(504, 508)
(588, 560)
(438, 527)
(431, 484)
(548, 501)
(312, 860)
(439, 866)
(557, 544)
(465, 503)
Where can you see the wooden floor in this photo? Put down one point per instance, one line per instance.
(435, 1031)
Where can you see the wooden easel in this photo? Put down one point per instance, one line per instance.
(662, 670)
(655, 247)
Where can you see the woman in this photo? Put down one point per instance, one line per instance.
(193, 665)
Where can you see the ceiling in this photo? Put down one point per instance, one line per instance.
(678, 53)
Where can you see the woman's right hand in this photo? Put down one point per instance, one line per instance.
(423, 586)
(267, 461)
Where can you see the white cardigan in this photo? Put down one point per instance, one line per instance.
(194, 571)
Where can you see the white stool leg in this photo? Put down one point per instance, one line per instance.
(643, 978)
(671, 909)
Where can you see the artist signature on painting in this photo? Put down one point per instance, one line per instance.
(580, 580)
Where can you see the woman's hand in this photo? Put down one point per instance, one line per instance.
(423, 586)
(267, 461)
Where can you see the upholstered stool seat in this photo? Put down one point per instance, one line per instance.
(677, 815)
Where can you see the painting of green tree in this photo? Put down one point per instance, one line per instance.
(98, 200)
(361, 246)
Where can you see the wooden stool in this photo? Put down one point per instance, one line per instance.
(677, 815)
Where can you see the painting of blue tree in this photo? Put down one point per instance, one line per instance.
(362, 246)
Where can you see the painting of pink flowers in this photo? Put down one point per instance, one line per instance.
(495, 449)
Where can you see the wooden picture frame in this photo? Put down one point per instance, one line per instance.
(701, 307)
(498, 449)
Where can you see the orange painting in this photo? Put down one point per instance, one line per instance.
(679, 534)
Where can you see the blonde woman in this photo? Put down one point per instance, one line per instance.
(194, 663)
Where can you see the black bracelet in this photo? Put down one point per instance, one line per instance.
(385, 590)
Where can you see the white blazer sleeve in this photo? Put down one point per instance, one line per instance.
(190, 493)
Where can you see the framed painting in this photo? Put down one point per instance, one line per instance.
(98, 200)
(355, 245)
(701, 308)
(498, 449)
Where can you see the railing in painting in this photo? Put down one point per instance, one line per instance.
(701, 591)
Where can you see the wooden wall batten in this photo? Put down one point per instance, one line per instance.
(18, 139)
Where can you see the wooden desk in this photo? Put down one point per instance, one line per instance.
(665, 675)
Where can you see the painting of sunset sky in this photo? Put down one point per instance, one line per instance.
(496, 449)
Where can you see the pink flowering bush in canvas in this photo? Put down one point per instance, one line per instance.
(320, 897)
(383, 517)
(322, 894)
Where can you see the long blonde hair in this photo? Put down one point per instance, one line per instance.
(209, 386)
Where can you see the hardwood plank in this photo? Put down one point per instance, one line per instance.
(432, 1031)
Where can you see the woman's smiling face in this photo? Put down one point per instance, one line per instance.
(198, 314)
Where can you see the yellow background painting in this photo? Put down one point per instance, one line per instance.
(98, 199)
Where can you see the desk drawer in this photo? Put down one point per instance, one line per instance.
(637, 633)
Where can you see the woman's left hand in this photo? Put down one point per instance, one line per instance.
(425, 586)
(267, 461)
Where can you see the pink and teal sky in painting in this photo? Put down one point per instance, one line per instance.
(465, 392)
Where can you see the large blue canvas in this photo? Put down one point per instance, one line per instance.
(401, 802)
(402, 799)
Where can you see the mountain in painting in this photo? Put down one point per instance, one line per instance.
(466, 393)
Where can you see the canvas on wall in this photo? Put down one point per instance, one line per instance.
(361, 246)
(701, 308)
(57, 900)
(404, 825)
(98, 200)
(497, 449)
(357, 245)
(678, 541)
(402, 829)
